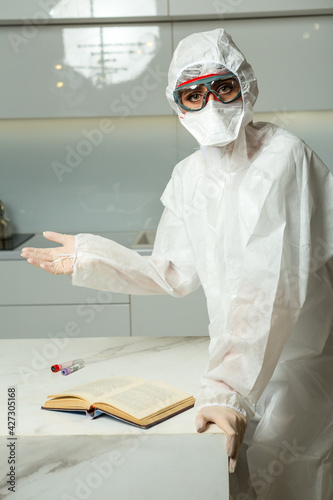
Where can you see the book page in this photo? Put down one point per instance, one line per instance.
(99, 388)
(145, 399)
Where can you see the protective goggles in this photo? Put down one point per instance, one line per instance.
(192, 95)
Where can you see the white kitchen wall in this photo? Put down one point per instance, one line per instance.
(47, 184)
(69, 164)
(67, 175)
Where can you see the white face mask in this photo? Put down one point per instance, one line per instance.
(216, 124)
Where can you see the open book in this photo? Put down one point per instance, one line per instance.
(129, 399)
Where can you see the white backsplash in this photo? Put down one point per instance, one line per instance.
(117, 186)
(48, 183)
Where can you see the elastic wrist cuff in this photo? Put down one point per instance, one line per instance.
(242, 412)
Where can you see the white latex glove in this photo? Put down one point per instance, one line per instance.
(231, 422)
(58, 260)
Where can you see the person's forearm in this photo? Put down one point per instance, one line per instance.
(103, 264)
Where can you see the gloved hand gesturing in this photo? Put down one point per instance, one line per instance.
(58, 260)
(231, 422)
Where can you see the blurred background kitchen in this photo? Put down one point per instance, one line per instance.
(89, 141)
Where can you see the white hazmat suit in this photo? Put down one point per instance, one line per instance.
(249, 216)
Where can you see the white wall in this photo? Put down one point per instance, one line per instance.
(70, 164)
(53, 176)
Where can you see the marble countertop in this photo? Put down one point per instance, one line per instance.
(67, 456)
(179, 361)
(124, 238)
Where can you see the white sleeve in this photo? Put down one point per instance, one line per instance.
(103, 264)
(277, 264)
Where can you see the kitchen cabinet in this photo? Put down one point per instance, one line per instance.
(62, 322)
(163, 315)
(35, 304)
(120, 70)
(34, 12)
(27, 285)
(85, 71)
(253, 8)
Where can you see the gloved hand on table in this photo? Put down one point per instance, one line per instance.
(231, 422)
(58, 260)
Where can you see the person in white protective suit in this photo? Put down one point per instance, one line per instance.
(249, 216)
